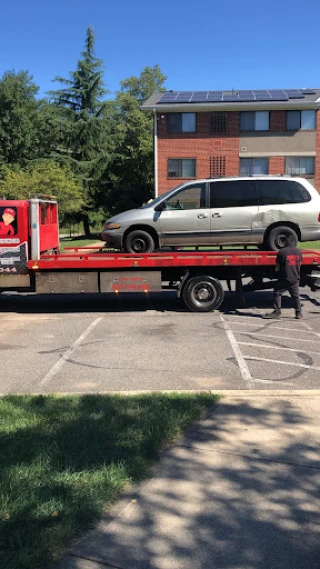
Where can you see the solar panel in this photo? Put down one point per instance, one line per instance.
(199, 97)
(214, 96)
(293, 94)
(231, 98)
(246, 96)
(168, 97)
(278, 95)
(184, 96)
(262, 95)
(234, 96)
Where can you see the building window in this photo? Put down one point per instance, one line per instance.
(254, 166)
(301, 120)
(181, 168)
(181, 122)
(219, 122)
(299, 166)
(217, 166)
(254, 120)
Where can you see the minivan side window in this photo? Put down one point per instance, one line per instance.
(192, 197)
(278, 192)
(233, 193)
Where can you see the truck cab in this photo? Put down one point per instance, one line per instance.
(27, 229)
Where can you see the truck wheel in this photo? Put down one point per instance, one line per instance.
(139, 241)
(276, 237)
(203, 294)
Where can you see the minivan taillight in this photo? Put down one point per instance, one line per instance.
(319, 217)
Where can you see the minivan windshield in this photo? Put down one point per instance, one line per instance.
(154, 202)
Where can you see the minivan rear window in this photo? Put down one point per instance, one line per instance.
(276, 192)
(233, 193)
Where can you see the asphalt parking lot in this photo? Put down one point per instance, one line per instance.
(81, 344)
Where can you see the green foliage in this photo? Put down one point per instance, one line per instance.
(128, 182)
(107, 145)
(83, 142)
(42, 177)
(18, 118)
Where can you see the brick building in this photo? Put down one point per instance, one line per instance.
(229, 133)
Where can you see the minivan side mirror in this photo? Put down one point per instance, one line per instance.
(160, 207)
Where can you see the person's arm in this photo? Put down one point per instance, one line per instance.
(278, 261)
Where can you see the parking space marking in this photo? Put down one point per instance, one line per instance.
(274, 347)
(282, 362)
(56, 368)
(263, 333)
(281, 337)
(244, 370)
(274, 327)
(310, 329)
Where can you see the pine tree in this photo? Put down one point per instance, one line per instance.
(83, 144)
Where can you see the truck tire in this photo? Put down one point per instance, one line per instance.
(203, 294)
(139, 241)
(275, 239)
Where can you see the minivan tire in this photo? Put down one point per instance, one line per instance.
(139, 241)
(275, 239)
(203, 293)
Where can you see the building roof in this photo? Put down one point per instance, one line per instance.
(233, 100)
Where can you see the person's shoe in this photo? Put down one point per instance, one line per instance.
(275, 315)
(298, 314)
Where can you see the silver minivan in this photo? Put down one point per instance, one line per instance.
(220, 211)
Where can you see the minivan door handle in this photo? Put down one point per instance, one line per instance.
(217, 214)
(202, 216)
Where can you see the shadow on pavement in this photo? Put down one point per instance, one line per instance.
(162, 302)
(240, 491)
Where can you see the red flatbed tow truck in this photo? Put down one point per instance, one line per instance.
(31, 262)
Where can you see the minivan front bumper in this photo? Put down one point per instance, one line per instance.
(112, 238)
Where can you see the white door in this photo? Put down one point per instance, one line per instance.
(233, 207)
(185, 219)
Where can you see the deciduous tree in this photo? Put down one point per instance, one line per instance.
(43, 177)
(18, 118)
(129, 178)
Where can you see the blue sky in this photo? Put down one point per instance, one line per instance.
(248, 44)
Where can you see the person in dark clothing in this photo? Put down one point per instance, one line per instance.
(288, 265)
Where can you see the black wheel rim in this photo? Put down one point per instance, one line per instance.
(280, 240)
(139, 245)
(203, 294)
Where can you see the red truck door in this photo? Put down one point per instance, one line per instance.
(14, 236)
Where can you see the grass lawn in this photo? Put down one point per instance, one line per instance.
(63, 460)
(76, 243)
(310, 245)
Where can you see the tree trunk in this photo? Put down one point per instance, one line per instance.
(86, 225)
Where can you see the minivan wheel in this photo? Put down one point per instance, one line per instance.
(139, 241)
(277, 237)
(203, 294)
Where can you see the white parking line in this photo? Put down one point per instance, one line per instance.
(282, 362)
(310, 329)
(271, 347)
(273, 327)
(303, 329)
(281, 337)
(244, 370)
(56, 368)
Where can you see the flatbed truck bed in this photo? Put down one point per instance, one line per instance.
(31, 262)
